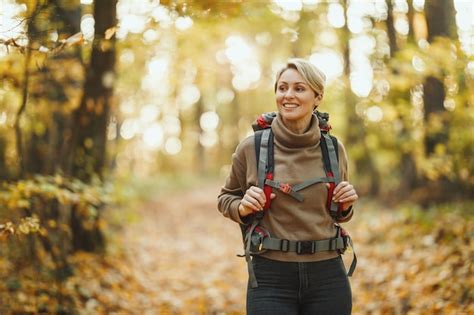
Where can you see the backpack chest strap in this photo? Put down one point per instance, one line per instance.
(293, 190)
(284, 188)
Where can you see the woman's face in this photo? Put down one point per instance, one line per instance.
(295, 99)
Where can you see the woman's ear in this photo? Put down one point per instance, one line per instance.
(317, 100)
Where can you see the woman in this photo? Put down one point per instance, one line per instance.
(289, 282)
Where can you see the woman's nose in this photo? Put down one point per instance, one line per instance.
(289, 93)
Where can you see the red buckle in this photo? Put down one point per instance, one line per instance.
(261, 231)
(326, 128)
(286, 188)
(344, 232)
(262, 123)
(268, 192)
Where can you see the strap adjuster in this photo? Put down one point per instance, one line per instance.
(305, 247)
(345, 240)
(284, 245)
(285, 188)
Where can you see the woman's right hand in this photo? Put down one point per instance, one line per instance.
(254, 200)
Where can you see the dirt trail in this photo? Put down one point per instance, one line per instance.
(183, 252)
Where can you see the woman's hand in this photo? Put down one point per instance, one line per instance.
(345, 194)
(253, 200)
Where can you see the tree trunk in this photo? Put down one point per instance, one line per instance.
(408, 170)
(24, 99)
(440, 21)
(409, 174)
(392, 34)
(4, 173)
(23, 160)
(411, 22)
(433, 99)
(43, 152)
(88, 150)
(91, 118)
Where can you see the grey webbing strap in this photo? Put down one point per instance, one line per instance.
(261, 173)
(334, 169)
(292, 246)
(294, 189)
(263, 158)
(332, 157)
(292, 193)
(354, 259)
(310, 182)
(348, 243)
(252, 277)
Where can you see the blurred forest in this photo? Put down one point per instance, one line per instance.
(118, 119)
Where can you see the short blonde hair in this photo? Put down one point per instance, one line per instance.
(312, 74)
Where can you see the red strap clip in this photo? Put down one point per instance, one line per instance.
(286, 188)
(268, 191)
(262, 123)
(344, 232)
(325, 128)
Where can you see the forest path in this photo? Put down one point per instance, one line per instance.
(183, 251)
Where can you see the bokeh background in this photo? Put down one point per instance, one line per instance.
(118, 119)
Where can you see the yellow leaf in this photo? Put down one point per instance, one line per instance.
(7, 227)
(75, 39)
(24, 228)
(110, 32)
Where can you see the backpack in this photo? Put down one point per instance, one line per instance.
(257, 239)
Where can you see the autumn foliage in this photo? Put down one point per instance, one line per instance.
(114, 113)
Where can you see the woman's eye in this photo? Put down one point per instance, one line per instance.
(300, 89)
(281, 88)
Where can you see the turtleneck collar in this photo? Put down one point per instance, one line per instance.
(289, 139)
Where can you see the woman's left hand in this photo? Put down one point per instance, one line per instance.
(345, 193)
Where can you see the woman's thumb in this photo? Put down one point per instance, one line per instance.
(328, 185)
(272, 196)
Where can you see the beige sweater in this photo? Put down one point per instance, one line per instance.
(298, 158)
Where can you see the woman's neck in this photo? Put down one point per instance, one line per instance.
(299, 126)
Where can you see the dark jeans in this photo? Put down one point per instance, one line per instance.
(320, 287)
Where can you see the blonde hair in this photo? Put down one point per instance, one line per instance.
(313, 75)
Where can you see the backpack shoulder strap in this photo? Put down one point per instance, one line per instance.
(329, 147)
(330, 152)
(336, 146)
(257, 140)
(265, 160)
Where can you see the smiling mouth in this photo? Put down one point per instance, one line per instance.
(290, 105)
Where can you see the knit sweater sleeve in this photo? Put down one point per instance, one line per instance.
(236, 184)
(343, 170)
